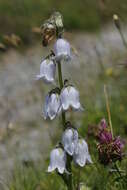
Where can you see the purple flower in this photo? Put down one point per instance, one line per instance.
(103, 124)
(109, 149)
(105, 136)
(119, 143)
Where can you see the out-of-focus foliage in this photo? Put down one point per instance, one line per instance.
(19, 16)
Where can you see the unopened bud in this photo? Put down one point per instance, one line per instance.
(116, 21)
(115, 17)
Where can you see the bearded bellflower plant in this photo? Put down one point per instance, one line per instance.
(59, 100)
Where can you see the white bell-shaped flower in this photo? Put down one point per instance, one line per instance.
(62, 50)
(47, 71)
(52, 106)
(81, 155)
(70, 140)
(57, 160)
(70, 98)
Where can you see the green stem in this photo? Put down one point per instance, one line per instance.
(99, 59)
(78, 180)
(108, 109)
(61, 86)
(69, 182)
(122, 37)
(70, 186)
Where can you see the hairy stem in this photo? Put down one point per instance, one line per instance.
(69, 182)
(61, 86)
(70, 186)
(78, 180)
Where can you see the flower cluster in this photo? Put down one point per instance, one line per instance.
(71, 145)
(60, 100)
(110, 148)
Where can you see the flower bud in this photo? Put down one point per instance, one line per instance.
(103, 124)
(57, 160)
(116, 21)
(62, 50)
(70, 98)
(47, 70)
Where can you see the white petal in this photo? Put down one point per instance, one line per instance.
(61, 170)
(54, 105)
(74, 98)
(69, 140)
(88, 159)
(53, 156)
(45, 110)
(81, 155)
(65, 99)
(62, 49)
(70, 97)
(38, 77)
(50, 71)
(42, 67)
(61, 161)
(47, 71)
(57, 160)
(51, 168)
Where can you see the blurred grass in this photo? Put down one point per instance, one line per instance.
(19, 16)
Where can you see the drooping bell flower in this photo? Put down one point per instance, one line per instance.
(81, 155)
(47, 70)
(62, 50)
(52, 105)
(70, 140)
(57, 160)
(70, 98)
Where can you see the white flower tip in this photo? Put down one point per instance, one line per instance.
(38, 77)
(61, 170)
(43, 115)
(69, 151)
(52, 117)
(82, 164)
(82, 108)
(50, 169)
(89, 160)
(67, 172)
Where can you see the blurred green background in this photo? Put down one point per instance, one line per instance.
(19, 16)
